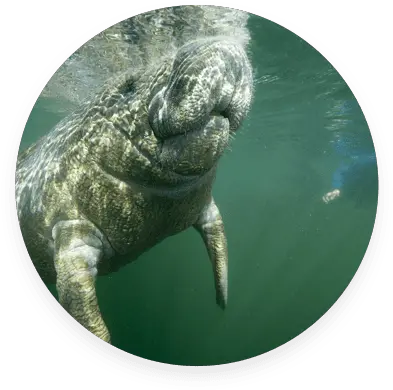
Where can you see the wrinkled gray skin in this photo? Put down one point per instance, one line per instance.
(131, 167)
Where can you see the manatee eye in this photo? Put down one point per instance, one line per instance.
(128, 87)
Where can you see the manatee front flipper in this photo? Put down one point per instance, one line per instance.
(78, 250)
(211, 228)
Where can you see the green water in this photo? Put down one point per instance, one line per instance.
(290, 255)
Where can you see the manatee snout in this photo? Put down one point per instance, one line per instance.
(207, 95)
(209, 77)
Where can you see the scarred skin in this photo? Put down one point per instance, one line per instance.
(130, 168)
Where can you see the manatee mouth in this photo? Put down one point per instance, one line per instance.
(213, 125)
(196, 152)
(166, 123)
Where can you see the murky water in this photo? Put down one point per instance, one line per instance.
(291, 255)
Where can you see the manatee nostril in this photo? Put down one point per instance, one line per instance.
(222, 113)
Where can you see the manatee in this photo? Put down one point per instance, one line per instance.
(135, 163)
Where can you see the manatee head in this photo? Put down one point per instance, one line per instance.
(168, 124)
(177, 84)
(204, 99)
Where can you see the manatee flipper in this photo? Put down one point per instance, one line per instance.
(78, 250)
(211, 227)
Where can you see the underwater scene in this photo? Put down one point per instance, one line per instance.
(296, 187)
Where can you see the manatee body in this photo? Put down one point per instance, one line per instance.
(131, 167)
